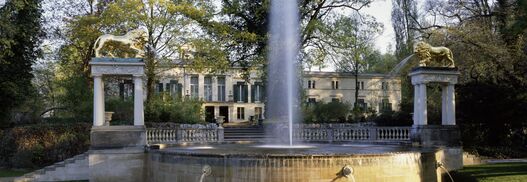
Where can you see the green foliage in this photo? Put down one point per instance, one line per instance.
(20, 32)
(492, 114)
(76, 97)
(330, 112)
(380, 63)
(123, 109)
(12, 173)
(39, 145)
(164, 108)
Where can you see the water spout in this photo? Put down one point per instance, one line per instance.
(440, 165)
(395, 71)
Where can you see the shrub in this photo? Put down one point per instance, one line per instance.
(123, 109)
(326, 112)
(164, 108)
(39, 145)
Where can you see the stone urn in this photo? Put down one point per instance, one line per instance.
(107, 118)
(220, 120)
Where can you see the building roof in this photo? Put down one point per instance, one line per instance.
(348, 74)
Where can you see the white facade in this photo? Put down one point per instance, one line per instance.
(376, 91)
(226, 94)
(238, 99)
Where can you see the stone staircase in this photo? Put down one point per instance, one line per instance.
(75, 168)
(250, 134)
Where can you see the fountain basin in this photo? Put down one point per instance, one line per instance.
(322, 162)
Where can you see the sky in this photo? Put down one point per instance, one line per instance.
(382, 10)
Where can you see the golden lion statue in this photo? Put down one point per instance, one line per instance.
(134, 39)
(427, 53)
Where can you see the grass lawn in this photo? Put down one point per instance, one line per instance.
(509, 172)
(11, 173)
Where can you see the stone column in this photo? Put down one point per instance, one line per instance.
(228, 88)
(214, 88)
(416, 104)
(423, 105)
(201, 86)
(249, 92)
(186, 85)
(420, 111)
(138, 101)
(444, 104)
(450, 106)
(98, 100)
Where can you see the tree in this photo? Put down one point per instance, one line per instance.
(240, 26)
(487, 39)
(165, 26)
(349, 44)
(20, 33)
(404, 22)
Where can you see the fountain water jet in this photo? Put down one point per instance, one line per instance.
(395, 71)
(282, 85)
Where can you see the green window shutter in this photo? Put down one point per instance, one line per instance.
(179, 90)
(245, 93)
(235, 89)
(253, 92)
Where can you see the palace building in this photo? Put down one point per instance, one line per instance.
(238, 99)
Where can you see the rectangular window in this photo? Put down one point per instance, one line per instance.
(311, 100)
(240, 92)
(221, 89)
(175, 89)
(335, 85)
(384, 86)
(361, 104)
(241, 113)
(126, 89)
(258, 113)
(208, 88)
(194, 88)
(159, 87)
(386, 105)
(311, 84)
(361, 85)
(257, 92)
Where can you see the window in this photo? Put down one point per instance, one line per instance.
(208, 88)
(175, 89)
(311, 100)
(335, 100)
(221, 89)
(311, 84)
(335, 85)
(159, 88)
(257, 113)
(240, 92)
(126, 89)
(386, 105)
(257, 92)
(361, 85)
(194, 89)
(241, 113)
(361, 104)
(384, 86)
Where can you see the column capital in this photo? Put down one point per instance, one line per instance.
(96, 75)
(138, 75)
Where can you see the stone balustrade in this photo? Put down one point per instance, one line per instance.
(305, 132)
(349, 134)
(185, 134)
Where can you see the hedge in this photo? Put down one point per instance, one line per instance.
(39, 145)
